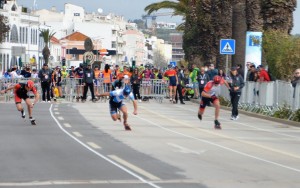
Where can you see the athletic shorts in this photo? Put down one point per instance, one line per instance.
(205, 101)
(172, 81)
(113, 107)
(19, 95)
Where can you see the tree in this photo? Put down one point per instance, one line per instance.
(180, 8)
(281, 53)
(159, 59)
(47, 35)
(4, 28)
(278, 14)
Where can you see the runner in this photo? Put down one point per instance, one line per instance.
(210, 94)
(116, 102)
(20, 92)
(173, 82)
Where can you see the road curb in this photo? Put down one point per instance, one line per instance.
(251, 114)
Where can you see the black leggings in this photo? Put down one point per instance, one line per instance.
(136, 91)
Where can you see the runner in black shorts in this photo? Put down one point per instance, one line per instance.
(20, 92)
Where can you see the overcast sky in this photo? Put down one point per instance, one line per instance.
(130, 9)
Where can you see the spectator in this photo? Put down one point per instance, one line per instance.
(203, 78)
(296, 79)
(45, 78)
(56, 81)
(263, 74)
(7, 74)
(27, 73)
(180, 77)
(135, 82)
(222, 73)
(240, 70)
(14, 73)
(88, 82)
(194, 76)
(236, 83)
(34, 74)
(212, 72)
(252, 73)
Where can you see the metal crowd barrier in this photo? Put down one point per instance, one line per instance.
(267, 97)
(154, 88)
(8, 82)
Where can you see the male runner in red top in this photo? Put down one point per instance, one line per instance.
(209, 94)
(20, 92)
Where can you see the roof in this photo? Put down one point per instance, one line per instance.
(76, 36)
(54, 40)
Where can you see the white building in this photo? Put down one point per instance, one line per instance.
(22, 44)
(106, 30)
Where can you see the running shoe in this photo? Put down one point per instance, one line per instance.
(200, 116)
(217, 125)
(23, 113)
(236, 117)
(127, 127)
(232, 117)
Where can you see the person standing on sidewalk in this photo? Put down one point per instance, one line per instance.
(180, 77)
(135, 83)
(236, 83)
(88, 82)
(45, 78)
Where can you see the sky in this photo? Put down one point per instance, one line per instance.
(130, 9)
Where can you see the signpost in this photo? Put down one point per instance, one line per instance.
(227, 47)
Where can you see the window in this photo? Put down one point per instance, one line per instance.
(14, 34)
(14, 8)
(113, 44)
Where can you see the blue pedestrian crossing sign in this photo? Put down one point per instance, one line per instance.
(227, 46)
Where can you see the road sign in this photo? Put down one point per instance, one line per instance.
(227, 46)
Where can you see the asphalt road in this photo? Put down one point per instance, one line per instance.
(78, 145)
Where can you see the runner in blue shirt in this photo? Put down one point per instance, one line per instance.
(116, 102)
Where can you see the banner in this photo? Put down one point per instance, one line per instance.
(253, 49)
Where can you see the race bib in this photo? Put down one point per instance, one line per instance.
(46, 76)
(202, 81)
(88, 75)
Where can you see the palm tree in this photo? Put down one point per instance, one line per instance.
(47, 35)
(239, 29)
(278, 15)
(180, 8)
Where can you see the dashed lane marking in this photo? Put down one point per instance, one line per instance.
(60, 118)
(143, 180)
(67, 125)
(77, 134)
(93, 145)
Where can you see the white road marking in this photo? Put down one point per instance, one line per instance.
(60, 118)
(134, 168)
(229, 137)
(67, 125)
(93, 145)
(91, 182)
(253, 127)
(101, 155)
(214, 144)
(56, 113)
(55, 109)
(77, 134)
(185, 150)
